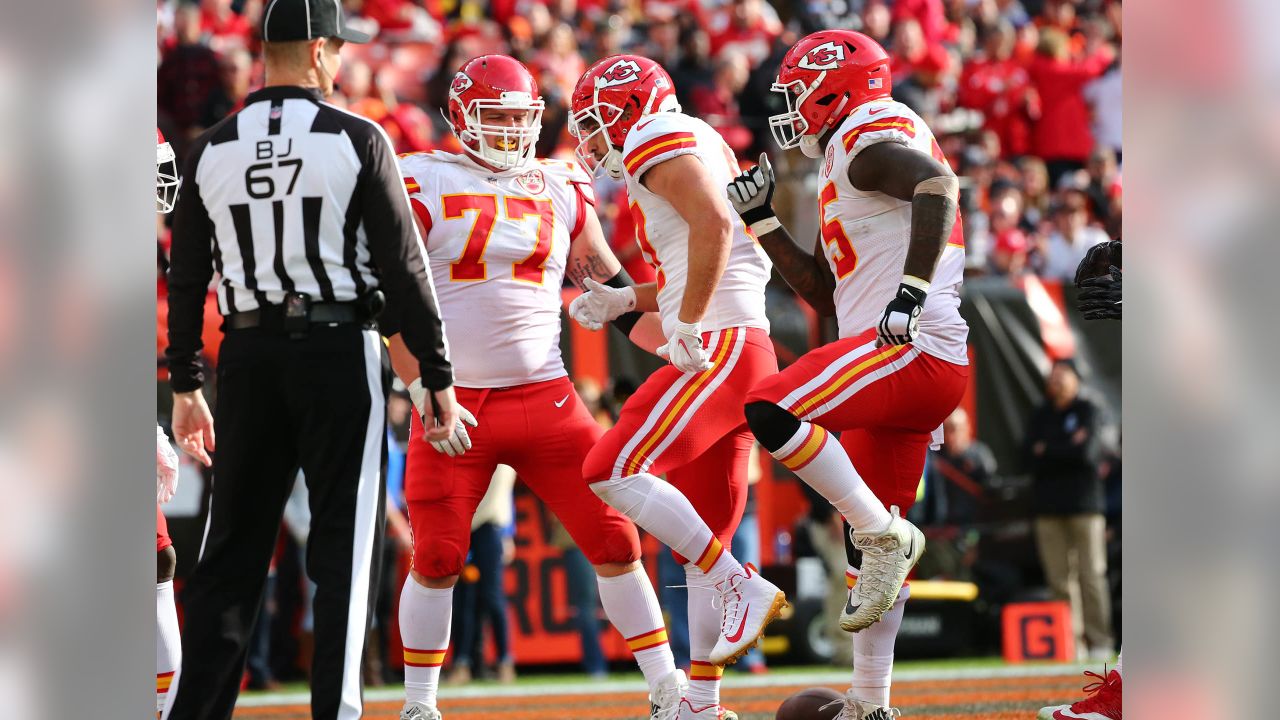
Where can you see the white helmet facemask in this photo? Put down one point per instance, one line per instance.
(505, 147)
(167, 180)
(791, 129)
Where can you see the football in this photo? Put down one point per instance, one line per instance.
(816, 703)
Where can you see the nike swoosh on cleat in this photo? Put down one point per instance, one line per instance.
(738, 635)
(565, 399)
(911, 549)
(850, 608)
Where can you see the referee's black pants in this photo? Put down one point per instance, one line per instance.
(318, 403)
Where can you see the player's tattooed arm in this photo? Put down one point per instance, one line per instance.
(929, 185)
(808, 274)
(591, 257)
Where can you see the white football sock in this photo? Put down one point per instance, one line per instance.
(664, 512)
(873, 654)
(425, 618)
(816, 456)
(704, 631)
(168, 641)
(632, 607)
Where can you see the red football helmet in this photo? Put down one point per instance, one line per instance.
(824, 77)
(167, 180)
(495, 82)
(610, 98)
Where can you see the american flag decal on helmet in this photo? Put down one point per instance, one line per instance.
(875, 83)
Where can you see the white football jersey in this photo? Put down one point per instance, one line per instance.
(663, 235)
(865, 235)
(497, 245)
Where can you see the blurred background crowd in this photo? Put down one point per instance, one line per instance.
(1024, 97)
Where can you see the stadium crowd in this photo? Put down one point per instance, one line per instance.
(1023, 95)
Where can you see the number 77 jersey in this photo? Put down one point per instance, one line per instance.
(497, 246)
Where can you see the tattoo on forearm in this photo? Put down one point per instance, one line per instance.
(582, 268)
(932, 218)
(806, 273)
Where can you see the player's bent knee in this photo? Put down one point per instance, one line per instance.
(435, 583)
(166, 564)
(616, 569)
(439, 568)
(771, 425)
(624, 494)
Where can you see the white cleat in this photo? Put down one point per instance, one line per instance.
(664, 700)
(887, 557)
(708, 712)
(420, 711)
(749, 603)
(855, 709)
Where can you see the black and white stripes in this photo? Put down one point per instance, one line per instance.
(287, 196)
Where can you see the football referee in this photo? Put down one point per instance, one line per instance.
(300, 210)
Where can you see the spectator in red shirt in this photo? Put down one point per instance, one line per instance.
(1000, 88)
(928, 13)
(908, 49)
(749, 26)
(227, 27)
(186, 77)
(1061, 135)
(717, 103)
(877, 22)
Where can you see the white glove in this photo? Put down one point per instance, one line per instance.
(166, 468)
(751, 194)
(457, 443)
(684, 348)
(601, 304)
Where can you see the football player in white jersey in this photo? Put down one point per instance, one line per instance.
(685, 420)
(888, 264)
(502, 230)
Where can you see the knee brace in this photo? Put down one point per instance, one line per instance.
(166, 564)
(771, 425)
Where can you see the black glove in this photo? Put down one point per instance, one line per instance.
(1098, 260)
(751, 193)
(900, 323)
(1101, 297)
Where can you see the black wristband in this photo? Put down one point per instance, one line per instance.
(912, 294)
(621, 280)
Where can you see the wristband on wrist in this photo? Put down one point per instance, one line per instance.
(915, 282)
(765, 226)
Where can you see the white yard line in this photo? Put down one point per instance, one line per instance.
(611, 687)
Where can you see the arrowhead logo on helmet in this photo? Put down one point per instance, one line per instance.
(826, 56)
(619, 73)
(460, 84)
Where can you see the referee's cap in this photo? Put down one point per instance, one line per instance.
(286, 20)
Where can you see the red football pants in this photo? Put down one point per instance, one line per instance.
(544, 432)
(690, 426)
(885, 403)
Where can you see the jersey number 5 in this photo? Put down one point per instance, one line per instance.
(470, 265)
(842, 254)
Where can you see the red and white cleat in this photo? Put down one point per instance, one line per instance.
(1102, 701)
(749, 603)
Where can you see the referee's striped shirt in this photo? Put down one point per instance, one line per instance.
(292, 194)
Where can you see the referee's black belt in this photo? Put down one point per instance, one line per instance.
(272, 317)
